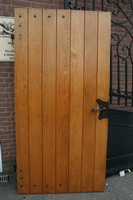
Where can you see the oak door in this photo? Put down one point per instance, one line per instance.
(61, 69)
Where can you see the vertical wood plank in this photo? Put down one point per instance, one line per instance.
(76, 99)
(35, 99)
(90, 84)
(103, 94)
(49, 75)
(21, 100)
(62, 112)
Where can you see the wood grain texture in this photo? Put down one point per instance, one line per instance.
(61, 68)
(62, 111)
(49, 81)
(35, 99)
(102, 93)
(90, 88)
(21, 101)
(76, 99)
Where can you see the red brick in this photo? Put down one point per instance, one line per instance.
(11, 74)
(11, 84)
(4, 153)
(9, 100)
(21, 3)
(10, 109)
(10, 127)
(12, 94)
(9, 89)
(2, 89)
(10, 118)
(4, 84)
(1, 80)
(8, 79)
(5, 123)
(2, 109)
(11, 8)
(5, 114)
(6, 141)
(2, 100)
(11, 136)
(2, 7)
(59, 2)
(4, 95)
(8, 69)
(2, 119)
(3, 74)
(4, 105)
(46, 1)
(13, 105)
(7, 13)
(12, 144)
(6, 132)
(5, 1)
(39, 5)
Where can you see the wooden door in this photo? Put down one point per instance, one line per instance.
(61, 68)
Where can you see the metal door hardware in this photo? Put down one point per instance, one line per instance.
(103, 108)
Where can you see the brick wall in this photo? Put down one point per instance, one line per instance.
(7, 115)
(7, 6)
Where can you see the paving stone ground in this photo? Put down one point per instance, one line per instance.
(117, 188)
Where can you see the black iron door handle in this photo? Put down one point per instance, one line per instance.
(103, 108)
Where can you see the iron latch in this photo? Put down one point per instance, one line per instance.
(103, 108)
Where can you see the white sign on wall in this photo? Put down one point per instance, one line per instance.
(6, 43)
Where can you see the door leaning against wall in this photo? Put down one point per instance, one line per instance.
(61, 69)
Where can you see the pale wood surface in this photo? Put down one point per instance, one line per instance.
(21, 95)
(62, 111)
(103, 94)
(49, 89)
(76, 100)
(90, 88)
(35, 99)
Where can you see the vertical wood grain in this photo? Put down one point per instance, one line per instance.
(61, 68)
(49, 75)
(104, 24)
(21, 100)
(76, 99)
(35, 99)
(62, 111)
(90, 84)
